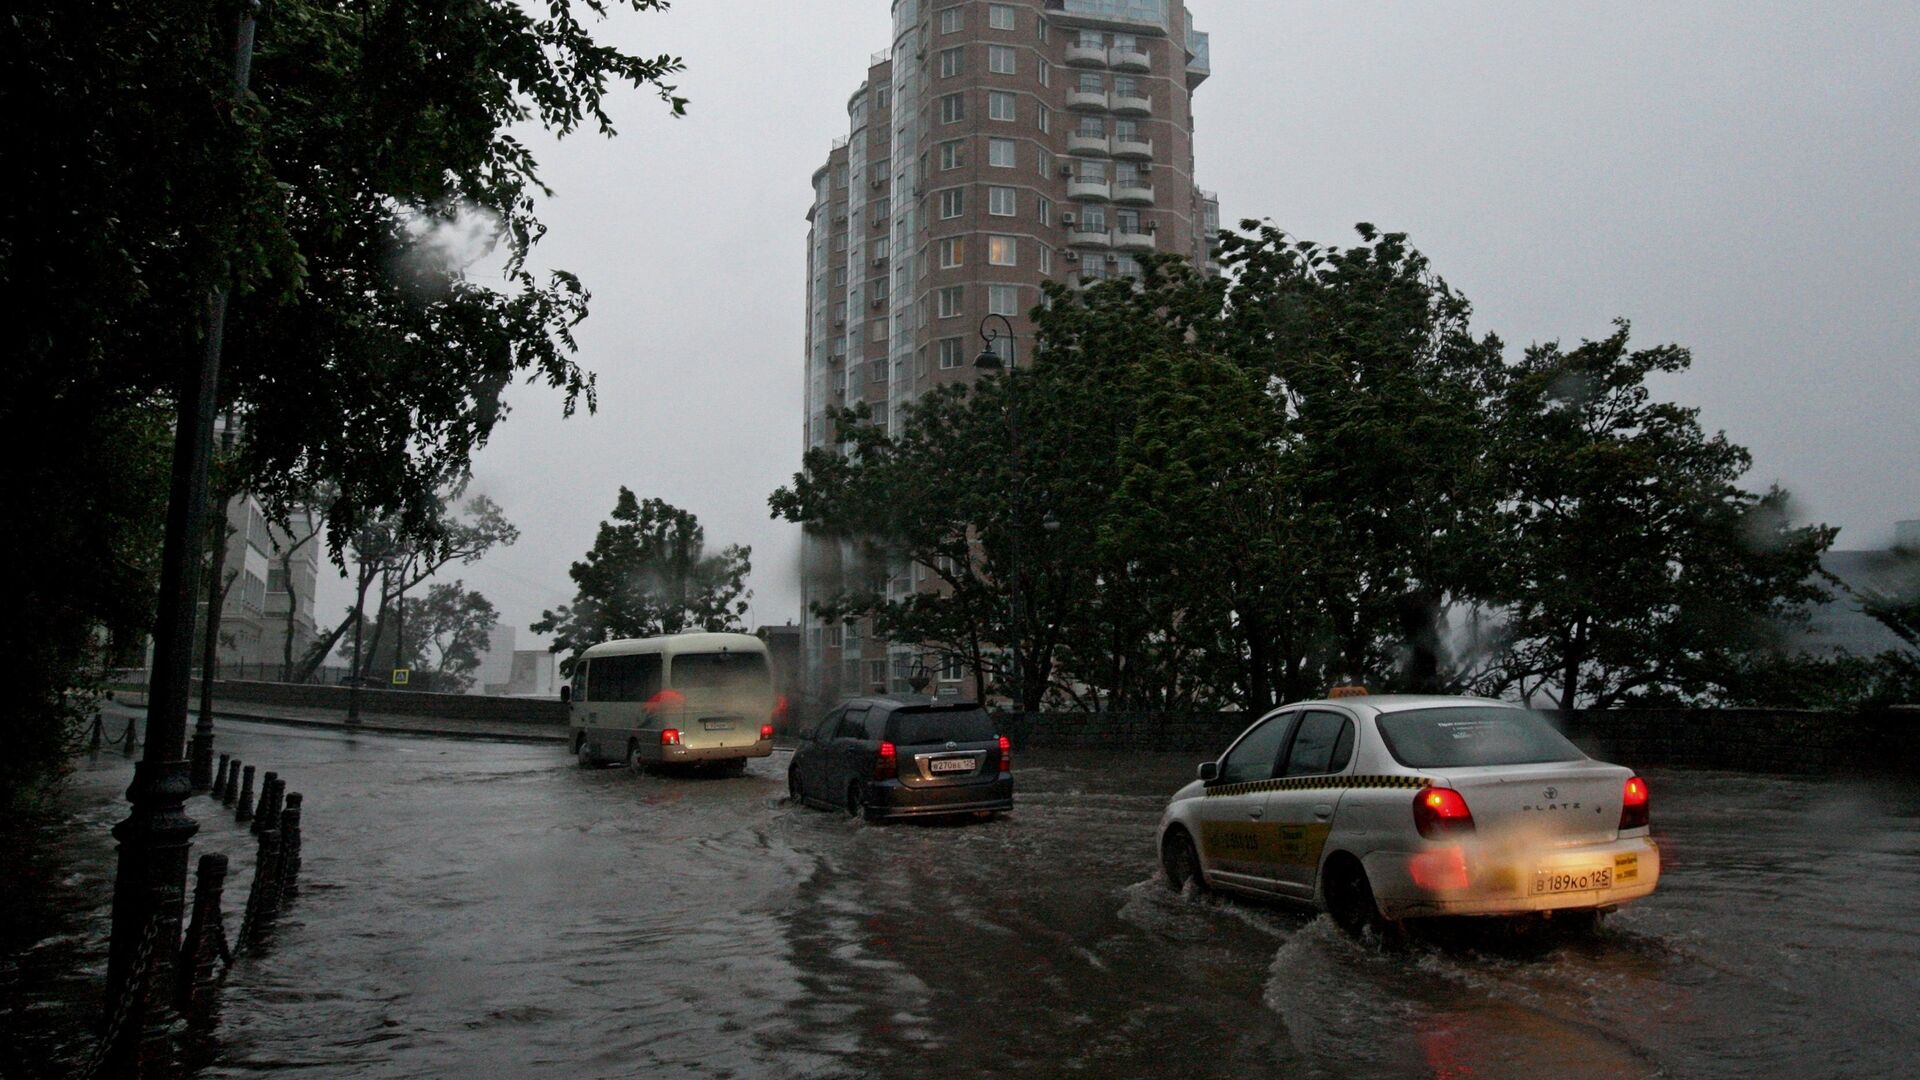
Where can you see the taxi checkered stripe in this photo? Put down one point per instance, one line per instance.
(1330, 783)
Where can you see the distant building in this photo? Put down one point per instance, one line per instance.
(496, 662)
(270, 572)
(997, 144)
(532, 676)
(1840, 623)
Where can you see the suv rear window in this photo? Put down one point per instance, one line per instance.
(914, 727)
(1472, 735)
(721, 671)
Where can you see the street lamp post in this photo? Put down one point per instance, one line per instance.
(989, 362)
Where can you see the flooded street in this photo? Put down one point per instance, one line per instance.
(487, 909)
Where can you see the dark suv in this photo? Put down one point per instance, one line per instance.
(903, 756)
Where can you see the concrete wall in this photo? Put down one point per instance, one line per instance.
(393, 702)
(1755, 740)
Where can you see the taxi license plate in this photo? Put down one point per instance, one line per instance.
(717, 725)
(1546, 882)
(951, 765)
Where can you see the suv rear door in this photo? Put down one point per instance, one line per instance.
(944, 745)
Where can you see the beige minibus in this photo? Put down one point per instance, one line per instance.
(694, 698)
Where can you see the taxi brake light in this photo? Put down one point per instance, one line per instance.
(886, 765)
(1438, 811)
(1006, 754)
(1633, 804)
(670, 737)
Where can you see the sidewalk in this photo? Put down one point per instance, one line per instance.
(377, 723)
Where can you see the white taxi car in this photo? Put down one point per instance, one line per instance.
(1392, 807)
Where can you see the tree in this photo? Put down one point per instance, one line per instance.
(648, 573)
(1636, 569)
(358, 352)
(452, 626)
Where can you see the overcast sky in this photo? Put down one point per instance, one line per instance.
(1738, 178)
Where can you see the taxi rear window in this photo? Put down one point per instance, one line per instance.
(1472, 735)
(913, 727)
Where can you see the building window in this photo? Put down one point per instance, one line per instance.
(1043, 30)
(952, 20)
(1126, 86)
(953, 154)
(1001, 105)
(951, 353)
(953, 108)
(839, 276)
(1000, 153)
(1126, 266)
(1001, 201)
(1046, 259)
(953, 252)
(1000, 16)
(877, 372)
(1043, 117)
(1046, 69)
(882, 208)
(1092, 39)
(948, 301)
(953, 203)
(1003, 299)
(1043, 161)
(1000, 59)
(882, 248)
(1126, 130)
(1127, 221)
(1003, 251)
(1045, 209)
(952, 62)
(882, 97)
(952, 669)
(1092, 82)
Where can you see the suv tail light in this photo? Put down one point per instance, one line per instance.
(766, 732)
(886, 764)
(1438, 811)
(1006, 754)
(670, 737)
(1633, 804)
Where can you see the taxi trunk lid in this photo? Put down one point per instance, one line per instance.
(1556, 804)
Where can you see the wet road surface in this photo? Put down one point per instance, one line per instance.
(477, 909)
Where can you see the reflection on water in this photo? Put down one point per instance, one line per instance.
(492, 910)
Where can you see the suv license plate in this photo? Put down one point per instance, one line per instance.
(951, 765)
(1559, 881)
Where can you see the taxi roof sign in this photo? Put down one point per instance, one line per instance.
(1347, 691)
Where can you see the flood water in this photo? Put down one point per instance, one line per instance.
(479, 909)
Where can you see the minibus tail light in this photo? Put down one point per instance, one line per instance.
(665, 699)
(670, 737)
(766, 732)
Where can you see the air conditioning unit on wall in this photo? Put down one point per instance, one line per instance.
(1066, 219)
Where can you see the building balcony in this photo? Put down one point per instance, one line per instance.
(1087, 100)
(1129, 105)
(1085, 236)
(1135, 241)
(1133, 192)
(1086, 55)
(1086, 144)
(1136, 149)
(1089, 188)
(1129, 59)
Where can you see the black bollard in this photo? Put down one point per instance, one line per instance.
(132, 740)
(290, 847)
(263, 899)
(267, 814)
(218, 792)
(244, 811)
(232, 790)
(204, 938)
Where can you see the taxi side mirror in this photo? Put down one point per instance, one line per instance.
(1209, 771)
(566, 693)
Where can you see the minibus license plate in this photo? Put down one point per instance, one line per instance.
(952, 765)
(717, 725)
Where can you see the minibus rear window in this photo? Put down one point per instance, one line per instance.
(725, 671)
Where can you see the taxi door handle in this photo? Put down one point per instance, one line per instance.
(1323, 810)
(1256, 812)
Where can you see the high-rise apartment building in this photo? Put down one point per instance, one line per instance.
(998, 144)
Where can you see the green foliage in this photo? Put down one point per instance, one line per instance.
(360, 356)
(1311, 473)
(647, 574)
(448, 630)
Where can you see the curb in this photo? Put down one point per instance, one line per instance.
(383, 729)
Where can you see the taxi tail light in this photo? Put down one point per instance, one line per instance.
(766, 732)
(1444, 870)
(670, 737)
(1439, 811)
(886, 764)
(1006, 754)
(665, 699)
(1633, 804)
